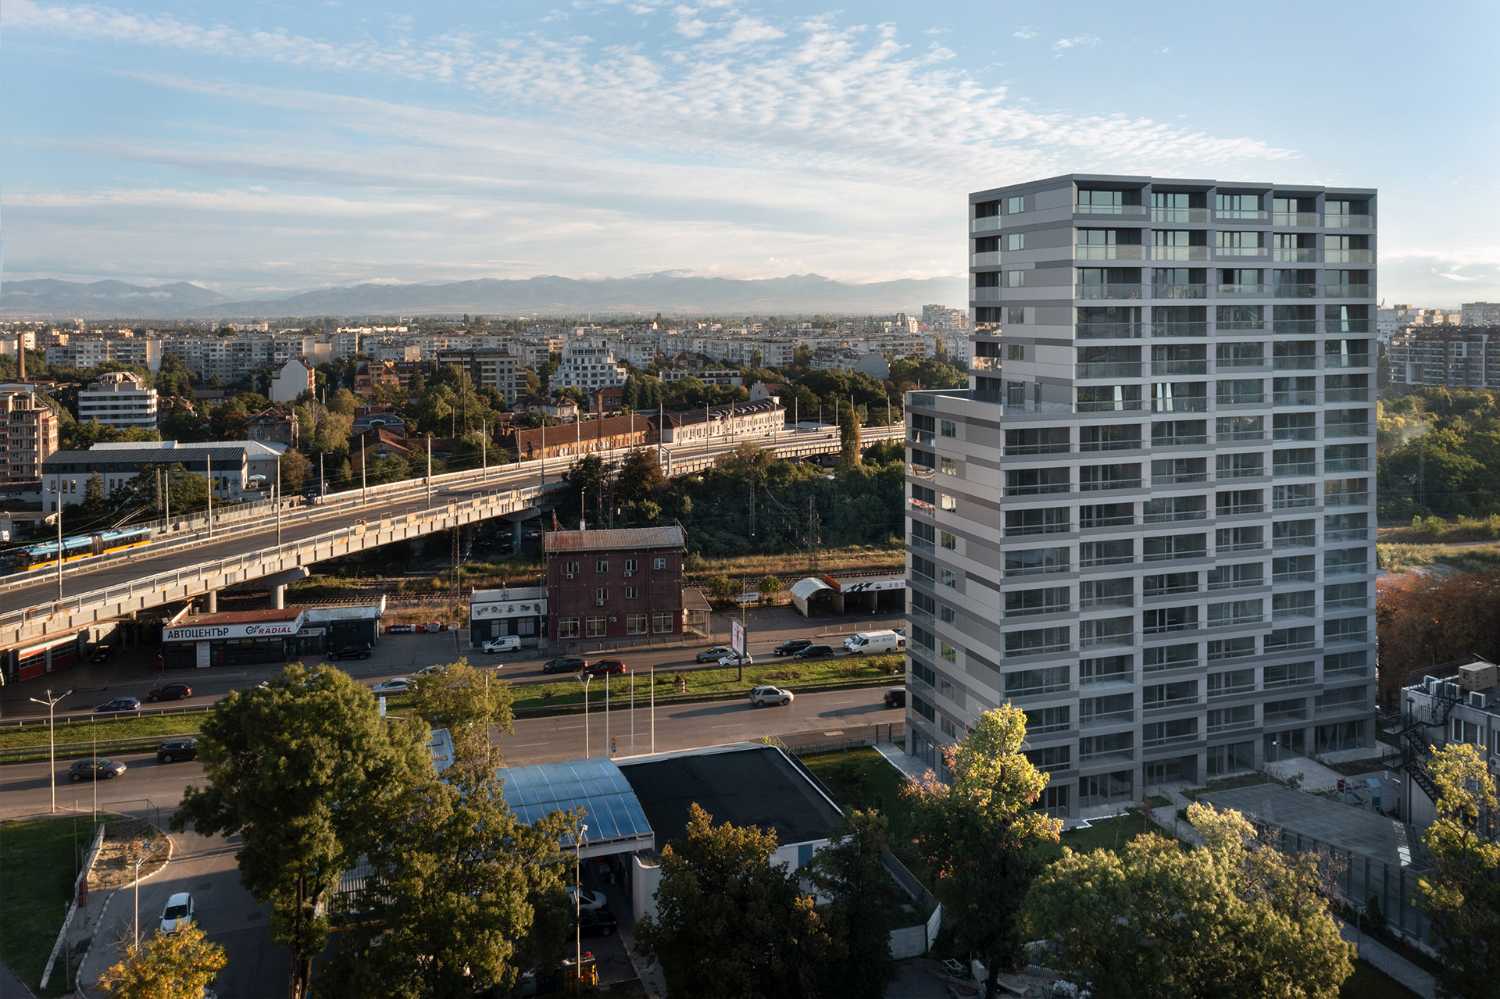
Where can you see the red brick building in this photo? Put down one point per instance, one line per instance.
(621, 585)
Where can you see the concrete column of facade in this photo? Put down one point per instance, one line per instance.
(213, 601)
(278, 596)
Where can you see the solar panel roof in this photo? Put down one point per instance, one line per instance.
(610, 807)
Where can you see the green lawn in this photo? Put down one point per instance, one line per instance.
(1368, 982)
(1108, 834)
(147, 727)
(861, 778)
(37, 868)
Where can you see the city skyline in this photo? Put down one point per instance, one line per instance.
(258, 151)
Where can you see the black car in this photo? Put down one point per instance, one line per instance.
(791, 646)
(169, 692)
(117, 705)
(895, 697)
(815, 652)
(101, 654)
(350, 652)
(177, 749)
(565, 664)
(95, 770)
(597, 923)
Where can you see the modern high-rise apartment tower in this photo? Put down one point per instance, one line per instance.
(1149, 521)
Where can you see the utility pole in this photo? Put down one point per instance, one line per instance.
(364, 485)
(543, 481)
(278, 501)
(209, 457)
(52, 703)
(429, 470)
(167, 494)
(137, 898)
(322, 482)
(59, 542)
(653, 707)
(609, 746)
(587, 679)
(484, 451)
(578, 903)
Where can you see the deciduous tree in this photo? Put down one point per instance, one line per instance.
(177, 965)
(1462, 894)
(1428, 620)
(1235, 916)
(310, 778)
(466, 701)
(450, 907)
(980, 834)
(730, 924)
(862, 900)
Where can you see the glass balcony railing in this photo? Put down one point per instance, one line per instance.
(1105, 485)
(1294, 218)
(1240, 401)
(1346, 291)
(1290, 289)
(1346, 360)
(1240, 215)
(1117, 251)
(988, 223)
(987, 258)
(1293, 468)
(1349, 256)
(1107, 331)
(1179, 367)
(1107, 369)
(1239, 251)
(1346, 395)
(1126, 211)
(1348, 534)
(1176, 329)
(1240, 325)
(1347, 499)
(1186, 216)
(1241, 290)
(1181, 440)
(1347, 430)
(1243, 364)
(1295, 254)
(988, 294)
(1110, 406)
(1294, 327)
(1097, 291)
(1240, 509)
(1197, 252)
(1180, 404)
(1347, 221)
(1175, 290)
(1124, 444)
(1294, 434)
(1294, 362)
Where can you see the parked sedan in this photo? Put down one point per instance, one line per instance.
(177, 913)
(765, 697)
(735, 660)
(169, 692)
(791, 646)
(118, 704)
(602, 667)
(177, 749)
(95, 770)
(565, 664)
(713, 655)
(359, 651)
(816, 652)
(592, 901)
(395, 685)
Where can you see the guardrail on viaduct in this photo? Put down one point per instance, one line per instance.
(76, 612)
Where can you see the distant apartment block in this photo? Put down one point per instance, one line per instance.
(493, 369)
(1480, 314)
(1447, 356)
(28, 434)
(588, 364)
(1152, 529)
(942, 319)
(722, 377)
(292, 381)
(118, 399)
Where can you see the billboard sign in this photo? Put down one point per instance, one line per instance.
(737, 637)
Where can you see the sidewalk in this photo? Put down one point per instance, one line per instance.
(903, 761)
(12, 987)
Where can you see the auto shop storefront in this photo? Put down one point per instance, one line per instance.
(233, 639)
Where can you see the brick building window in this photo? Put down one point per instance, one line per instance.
(630, 567)
(570, 569)
(601, 566)
(598, 627)
(567, 627)
(632, 592)
(635, 624)
(659, 563)
(601, 596)
(661, 623)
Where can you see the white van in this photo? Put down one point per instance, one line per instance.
(874, 641)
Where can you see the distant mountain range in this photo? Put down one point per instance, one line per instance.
(642, 294)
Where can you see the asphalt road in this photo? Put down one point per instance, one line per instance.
(151, 788)
(132, 672)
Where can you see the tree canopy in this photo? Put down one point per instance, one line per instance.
(981, 836)
(729, 923)
(177, 965)
(1462, 893)
(1233, 917)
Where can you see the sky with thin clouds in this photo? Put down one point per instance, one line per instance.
(276, 146)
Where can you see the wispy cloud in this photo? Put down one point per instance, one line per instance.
(1024, 33)
(1075, 42)
(735, 138)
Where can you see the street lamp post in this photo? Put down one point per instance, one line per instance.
(278, 501)
(59, 543)
(583, 830)
(52, 703)
(586, 679)
(137, 900)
